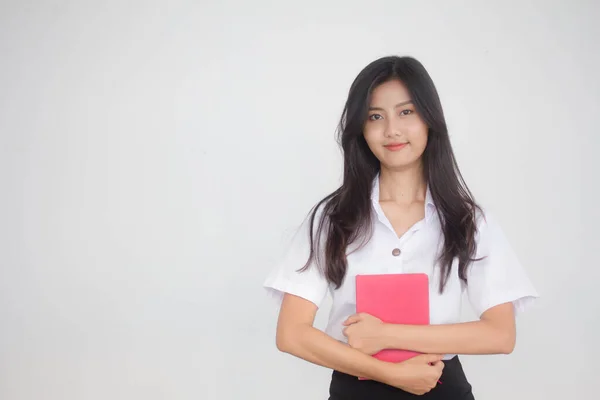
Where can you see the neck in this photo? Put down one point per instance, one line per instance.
(402, 186)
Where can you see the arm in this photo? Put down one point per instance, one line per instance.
(297, 336)
(494, 333)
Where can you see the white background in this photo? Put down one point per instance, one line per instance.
(153, 155)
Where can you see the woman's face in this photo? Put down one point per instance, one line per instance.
(394, 131)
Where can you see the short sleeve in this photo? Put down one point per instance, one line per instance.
(499, 277)
(309, 284)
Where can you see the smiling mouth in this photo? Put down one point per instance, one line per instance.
(395, 146)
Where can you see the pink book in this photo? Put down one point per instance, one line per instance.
(394, 299)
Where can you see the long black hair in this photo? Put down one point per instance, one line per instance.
(345, 216)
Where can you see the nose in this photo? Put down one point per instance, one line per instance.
(393, 127)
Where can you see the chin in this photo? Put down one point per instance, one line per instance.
(400, 164)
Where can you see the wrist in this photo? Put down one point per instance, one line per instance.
(393, 374)
(389, 337)
(384, 372)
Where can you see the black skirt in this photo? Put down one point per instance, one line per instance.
(454, 386)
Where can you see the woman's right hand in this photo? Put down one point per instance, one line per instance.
(417, 375)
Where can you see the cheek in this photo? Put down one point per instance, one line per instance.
(373, 132)
(373, 138)
(418, 136)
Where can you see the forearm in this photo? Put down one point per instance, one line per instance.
(315, 346)
(478, 337)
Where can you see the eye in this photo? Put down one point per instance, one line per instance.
(406, 112)
(375, 117)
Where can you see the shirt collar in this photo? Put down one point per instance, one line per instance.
(429, 203)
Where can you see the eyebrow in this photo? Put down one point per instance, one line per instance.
(397, 105)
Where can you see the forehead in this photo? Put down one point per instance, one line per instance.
(389, 93)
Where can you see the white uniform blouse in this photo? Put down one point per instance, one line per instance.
(498, 278)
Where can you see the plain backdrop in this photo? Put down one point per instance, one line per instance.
(154, 156)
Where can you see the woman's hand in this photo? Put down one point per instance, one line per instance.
(364, 333)
(417, 375)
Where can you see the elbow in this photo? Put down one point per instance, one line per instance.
(508, 348)
(507, 342)
(285, 340)
(282, 342)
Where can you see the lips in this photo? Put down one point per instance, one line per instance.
(395, 146)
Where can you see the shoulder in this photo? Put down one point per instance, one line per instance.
(295, 271)
(307, 231)
(490, 237)
(486, 219)
(493, 244)
(497, 275)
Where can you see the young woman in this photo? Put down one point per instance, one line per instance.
(402, 208)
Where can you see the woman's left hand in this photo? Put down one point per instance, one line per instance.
(364, 333)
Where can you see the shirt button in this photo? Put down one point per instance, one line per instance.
(396, 252)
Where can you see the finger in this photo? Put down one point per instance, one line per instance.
(344, 332)
(432, 358)
(352, 319)
(439, 368)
